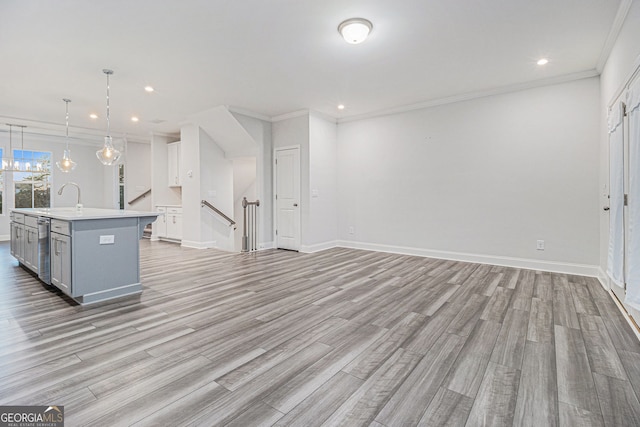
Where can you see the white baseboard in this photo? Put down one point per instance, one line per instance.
(309, 249)
(4, 237)
(199, 245)
(530, 264)
(603, 279)
(266, 245)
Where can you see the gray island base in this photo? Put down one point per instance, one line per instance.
(91, 255)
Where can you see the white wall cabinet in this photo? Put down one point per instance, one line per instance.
(174, 160)
(169, 225)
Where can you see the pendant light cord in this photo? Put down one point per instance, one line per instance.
(107, 72)
(67, 120)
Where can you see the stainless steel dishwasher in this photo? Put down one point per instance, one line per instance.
(44, 256)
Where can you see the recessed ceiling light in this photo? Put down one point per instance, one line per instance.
(134, 119)
(340, 107)
(355, 30)
(93, 115)
(543, 61)
(148, 88)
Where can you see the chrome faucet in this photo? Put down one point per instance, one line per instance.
(75, 185)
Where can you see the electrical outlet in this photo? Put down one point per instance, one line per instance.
(352, 230)
(540, 245)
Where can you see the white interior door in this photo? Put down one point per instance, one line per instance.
(287, 198)
(615, 262)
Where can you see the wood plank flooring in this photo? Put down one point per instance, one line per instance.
(341, 337)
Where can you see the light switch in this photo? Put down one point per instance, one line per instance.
(314, 193)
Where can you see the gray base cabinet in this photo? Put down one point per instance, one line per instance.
(30, 244)
(93, 254)
(61, 262)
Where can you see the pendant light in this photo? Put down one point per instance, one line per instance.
(108, 155)
(66, 164)
(11, 163)
(8, 165)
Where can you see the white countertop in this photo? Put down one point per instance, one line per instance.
(74, 214)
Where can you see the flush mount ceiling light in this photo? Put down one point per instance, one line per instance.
(135, 119)
(543, 61)
(108, 155)
(66, 164)
(341, 107)
(93, 116)
(149, 88)
(355, 30)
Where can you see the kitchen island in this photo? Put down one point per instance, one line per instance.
(90, 254)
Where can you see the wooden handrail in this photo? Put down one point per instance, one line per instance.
(140, 196)
(216, 210)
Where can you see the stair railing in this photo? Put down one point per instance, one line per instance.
(139, 196)
(231, 222)
(250, 229)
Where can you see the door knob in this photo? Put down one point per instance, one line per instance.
(295, 205)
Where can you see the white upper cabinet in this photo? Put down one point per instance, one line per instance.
(173, 150)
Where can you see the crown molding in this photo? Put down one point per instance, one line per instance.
(614, 32)
(565, 78)
(249, 113)
(79, 134)
(291, 115)
(323, 116)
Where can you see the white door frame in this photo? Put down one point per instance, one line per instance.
(275, 189)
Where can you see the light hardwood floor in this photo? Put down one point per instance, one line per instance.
(342, 337)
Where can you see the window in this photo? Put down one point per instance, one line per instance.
(121, 185)
(33, 189)
(1, 186)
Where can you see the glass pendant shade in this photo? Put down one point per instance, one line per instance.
(66, 164)
(108, 155)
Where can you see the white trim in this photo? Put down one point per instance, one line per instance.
(530, 264)
(475, 95)
(80, 134)
(309, 249)
(266, 245)
(4, 237)
(323, 116)
(635, 69)
(248, 113)
(603, 278)
(213, 244)
(614, 32)
(291, 115)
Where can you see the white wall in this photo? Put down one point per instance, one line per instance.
(322, 227)
(89, 174)
(260, 131)
(161, 193)
(624, 56)
(486, 177)
(137, 174)
(216, 183)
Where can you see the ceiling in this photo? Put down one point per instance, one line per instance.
(280, 56)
